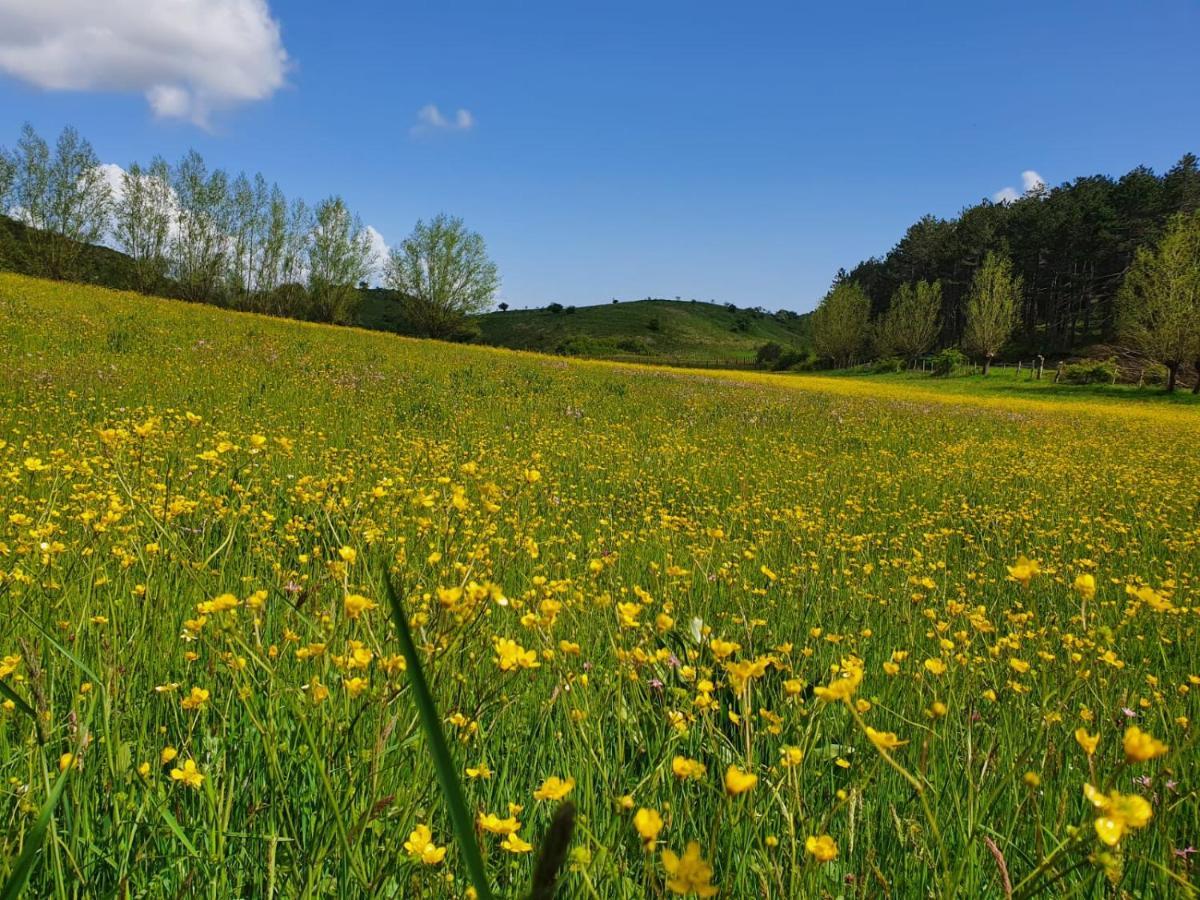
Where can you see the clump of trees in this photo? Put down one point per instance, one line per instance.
(1095, 260)
(206, 236)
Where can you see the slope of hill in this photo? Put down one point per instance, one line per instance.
(647, 330)
(199, 508)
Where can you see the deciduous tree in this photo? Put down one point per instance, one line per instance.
(64, 197)
(911, 324)
(143, 217)
(1158, 307)
(991, 308)
(443, 274)
(840, 323)
(339, 256)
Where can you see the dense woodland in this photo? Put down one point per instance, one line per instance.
(1071, 247)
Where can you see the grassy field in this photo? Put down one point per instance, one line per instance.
(678, 330)
(772, 635)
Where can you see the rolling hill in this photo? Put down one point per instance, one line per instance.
(648, 330)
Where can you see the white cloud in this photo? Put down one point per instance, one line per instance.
(430, 119)
(1030, 181)
(189, 58)
(379, 247)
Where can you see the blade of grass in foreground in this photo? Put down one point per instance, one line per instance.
(33, 843)
(431, 724)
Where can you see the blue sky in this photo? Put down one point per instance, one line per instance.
(736, 152)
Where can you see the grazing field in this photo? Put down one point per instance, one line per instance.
(772, 635)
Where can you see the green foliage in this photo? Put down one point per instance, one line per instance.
(443, 274)
(910, 325)
(339, 256)
(768, 353)
(991, 308)
(686, 331)
(1093, 371)
(948, 361)
(889, 365)
(1071, 244)
(1158, 306)
(839, 324)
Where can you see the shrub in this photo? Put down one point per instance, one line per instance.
(791, 359)
(1154, 374)
(555, 308)
(1091, 371)
(768, 353)
(948, 361)
(634, 345)
(889, 365)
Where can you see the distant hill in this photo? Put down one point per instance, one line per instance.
(646, 330)
(650, 330)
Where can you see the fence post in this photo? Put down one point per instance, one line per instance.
(1041, 364)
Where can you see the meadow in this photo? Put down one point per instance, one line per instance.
(771, 635)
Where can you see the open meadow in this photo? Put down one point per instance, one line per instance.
(772, 635)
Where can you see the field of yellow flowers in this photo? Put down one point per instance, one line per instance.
(772, 636)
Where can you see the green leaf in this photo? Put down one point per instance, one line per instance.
(33, 842)
(431, 724)
(16, 699)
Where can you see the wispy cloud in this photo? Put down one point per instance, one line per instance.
(1030, 181)
(188, 58)
(430, 119)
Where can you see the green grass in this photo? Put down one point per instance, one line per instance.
(653, 329)
(1005, 382)
(604, 567)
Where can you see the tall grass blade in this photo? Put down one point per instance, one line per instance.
(28, 859)
(431, 724)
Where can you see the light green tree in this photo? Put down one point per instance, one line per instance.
(991, 308)
(200, 245)
(339, 257)
(63, 196)
(142, 220)
(840, 325)
(443, 274)
(1158, 306)
(910, 326)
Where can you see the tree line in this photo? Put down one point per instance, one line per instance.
(1094, 261)
(204, 235)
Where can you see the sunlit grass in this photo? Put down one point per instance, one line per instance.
(606, 568)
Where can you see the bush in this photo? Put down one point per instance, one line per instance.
(791, 359)
(889, 365)
(555, 308)
(948, 361)
(634, 345)
(768, 354)
(654, 324)
(1091, 371)
(1155, 374)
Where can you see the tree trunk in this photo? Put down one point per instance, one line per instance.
(1196, 386)
(987, 364)
(1172, 376)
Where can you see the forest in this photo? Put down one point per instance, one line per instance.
(1070, 245)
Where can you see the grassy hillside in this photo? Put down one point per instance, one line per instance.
(683, 330)
(832, 636)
